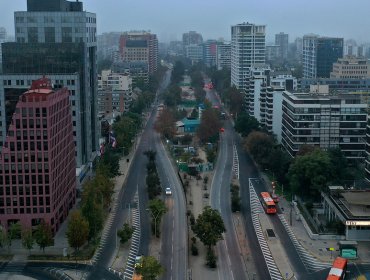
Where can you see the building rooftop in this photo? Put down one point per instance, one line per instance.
(357, 198)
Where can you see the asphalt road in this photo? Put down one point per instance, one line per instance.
(174, 251)
(230, 264)
(135, 183)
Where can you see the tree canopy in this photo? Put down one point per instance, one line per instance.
(209, 126)
(245, 124)
(309, 174)
(149, 268)
(209, 227)
(44, 235)
(77, 231)
(259, 145)
(165, 124)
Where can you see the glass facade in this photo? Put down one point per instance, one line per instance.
(328, 52)
(40, 58)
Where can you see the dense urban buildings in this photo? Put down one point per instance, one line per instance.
(319, 54)
(351, 67)
(210, 52)
(140, 46)
(58, 38)
(223, 56)
(114, 92)
(282, 40)
(108, 45)
(191, 38)
(247, 50)
(194, 53)
(3, 39)
(37, 162)
(326, 121)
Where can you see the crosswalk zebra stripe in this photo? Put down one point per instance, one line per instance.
(311, 263)
(255, 209)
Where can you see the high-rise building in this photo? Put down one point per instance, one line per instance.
(37, 162)
(326, 121)
(319, 54)
(298, 46)
(2, 40)
(209, 52)
(140, 46)
(58, 38)
(114, 92)
(273, 53)
(351, 67)
(223, 56)
(191, 38)
(194, 53)
(282, 40)
(108, 45)
(247, 50)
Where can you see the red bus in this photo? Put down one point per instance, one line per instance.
(338, 270)
(268, 203)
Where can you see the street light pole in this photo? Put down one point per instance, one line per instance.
(155, 217)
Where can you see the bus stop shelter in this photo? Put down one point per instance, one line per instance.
(348, 249)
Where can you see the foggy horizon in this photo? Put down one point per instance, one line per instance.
(169, 20)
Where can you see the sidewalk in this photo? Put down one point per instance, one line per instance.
(318, 248)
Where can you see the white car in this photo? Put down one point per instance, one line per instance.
(168, 191)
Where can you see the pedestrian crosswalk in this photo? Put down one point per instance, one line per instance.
(256, 209)
(310, 262)
(135, 242)
(235, 162)
(58, 273)
(14, 267)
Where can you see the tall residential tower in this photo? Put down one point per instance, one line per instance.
(247, 50)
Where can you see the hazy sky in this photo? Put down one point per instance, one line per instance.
(170, 18)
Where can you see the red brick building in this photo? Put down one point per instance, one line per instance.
(37, 163)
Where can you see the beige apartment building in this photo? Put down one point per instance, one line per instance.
(351, 67)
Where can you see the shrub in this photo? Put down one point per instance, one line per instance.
(194, 250)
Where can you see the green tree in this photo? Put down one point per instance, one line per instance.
(157, 209)
(92, 209)
(309, 174)
(209, 126)
(209, 227)
(245, 124)
(150, 154)
(44, 235)
(259, 145)
(27, 239)
(150, 268)
(4, 241)
(339, 165)
(165, 124)
(278, 163)
(200, 94)
(125, 233)
(77, 230)
(14, 231)
(177, 72)
(234, 100)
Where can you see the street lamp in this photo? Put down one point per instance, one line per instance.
(155, 217)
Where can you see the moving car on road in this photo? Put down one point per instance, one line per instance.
(168, 191)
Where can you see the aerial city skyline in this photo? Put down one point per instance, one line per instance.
(187, 140)
(169, 19)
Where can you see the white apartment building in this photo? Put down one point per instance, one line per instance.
(114, 92)
(223, 56)
(326, 121)
(194, 52)
(247, 50)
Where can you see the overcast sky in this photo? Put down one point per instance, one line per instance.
(170, 18)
